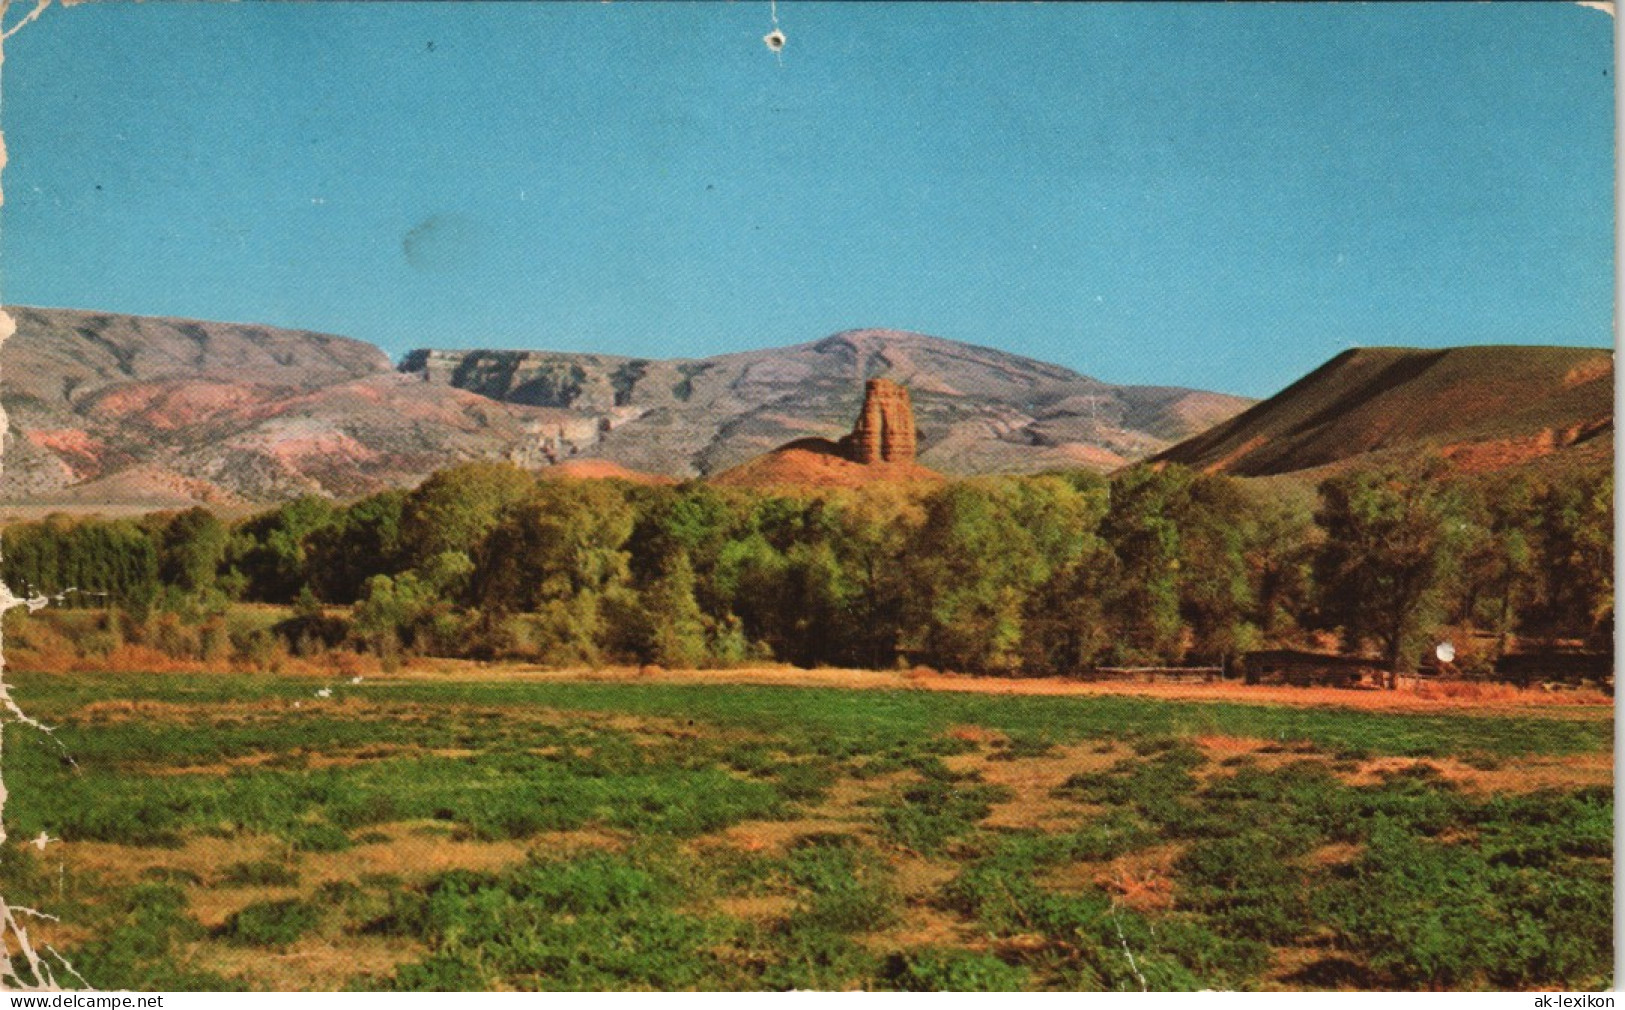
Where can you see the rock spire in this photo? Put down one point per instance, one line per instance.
(885, 429)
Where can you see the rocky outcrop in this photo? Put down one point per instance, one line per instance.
(880, 449)
(979, 410)
(885, 429)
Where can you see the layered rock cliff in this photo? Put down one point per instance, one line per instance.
(981, 411)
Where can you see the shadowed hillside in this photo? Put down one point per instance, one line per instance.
(1482, 408)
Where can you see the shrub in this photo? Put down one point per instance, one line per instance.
(844, 888)
(805, 956)
(214, 641)
(1424, 913)
(271, 923)
(1021, 746)
(927, 816)
(256, 649)
(263, 873)
(940, 970)
(443, 973)
(1249, 885)
(142, 945)
(174, 639)
(319, 837)
(1158, 788)
(1086, 938)
(805, 781)
(359, 809)
(599, 921)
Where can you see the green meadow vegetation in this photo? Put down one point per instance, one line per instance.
(239, 794)
(225, 831)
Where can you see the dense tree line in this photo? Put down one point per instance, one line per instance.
(1028, 575)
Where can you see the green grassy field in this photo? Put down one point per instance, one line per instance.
(238, 831)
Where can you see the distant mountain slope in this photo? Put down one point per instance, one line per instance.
(60, 355)
(126, 412)
(1483, 408)
(979, 410)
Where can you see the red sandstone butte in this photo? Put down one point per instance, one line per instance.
(885, 429)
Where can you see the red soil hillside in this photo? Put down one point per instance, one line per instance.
(1482, 408)
(818, 463)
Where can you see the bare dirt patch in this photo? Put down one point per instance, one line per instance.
(844, 811)
(926, 926)
(412, 855)
(1221, 748)
(308, 759)
(411, 850)
(200, 856)
(212, 907)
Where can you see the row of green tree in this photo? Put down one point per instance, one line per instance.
(1036, 575)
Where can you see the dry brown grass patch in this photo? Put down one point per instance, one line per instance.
(1032, 782)
(757, 908)
(1335, 854)
(925, 926)
(776, 837)
(1142, 880)
(312, 964)
(974, 734)
(1514, 774)
(1142, 889)
(1496, 695)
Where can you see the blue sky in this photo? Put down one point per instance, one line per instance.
(1219, 196)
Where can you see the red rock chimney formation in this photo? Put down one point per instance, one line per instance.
(885, 430)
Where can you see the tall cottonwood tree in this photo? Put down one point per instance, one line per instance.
(1143, 528)
(191, 548)
(982, 549)
(1392, 539)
